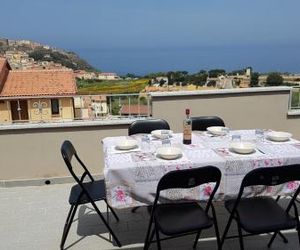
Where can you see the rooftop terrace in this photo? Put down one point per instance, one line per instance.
(32, 218)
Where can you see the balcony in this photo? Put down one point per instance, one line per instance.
(34, 219)
(34, 213)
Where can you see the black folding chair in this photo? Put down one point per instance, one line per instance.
(147, 126)
(258, 215)
(181, 218)
(201, 123)
(83, 192)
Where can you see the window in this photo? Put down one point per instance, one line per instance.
(54, 106)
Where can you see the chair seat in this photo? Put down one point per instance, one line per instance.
(96, 190)
(261, 215)
(179, 218)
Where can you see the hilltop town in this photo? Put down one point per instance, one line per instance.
(26, 54)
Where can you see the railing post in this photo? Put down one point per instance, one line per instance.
(129, 111)
(148, 105)
(139, 110)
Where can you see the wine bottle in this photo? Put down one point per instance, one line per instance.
(187, 128)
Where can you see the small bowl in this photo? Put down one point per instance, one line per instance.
(169, 153)
(217, 130)
(242, 147)
(160, 133)
(126, 144)
(279, 136)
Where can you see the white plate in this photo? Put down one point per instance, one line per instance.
(126, 144)
(242, 147)
(217, 130)
(169, 153)
(159, 133)
(279, 136)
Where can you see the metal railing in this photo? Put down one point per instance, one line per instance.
(93, 107)
(295, 98)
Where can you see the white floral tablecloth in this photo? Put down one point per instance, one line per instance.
(131, 177)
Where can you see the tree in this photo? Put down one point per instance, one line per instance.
(161, 82)
(170, 76)
(237, 72)
(274, 79)
(216, 72)
(254, 79)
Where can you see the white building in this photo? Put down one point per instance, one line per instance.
(108, 76)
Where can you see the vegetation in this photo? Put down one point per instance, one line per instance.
(295, 102)
(67, 59)
(111, 87)
(274, 79)
(254, 79)
(216, 72)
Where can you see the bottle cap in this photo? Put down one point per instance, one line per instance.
(187, 111)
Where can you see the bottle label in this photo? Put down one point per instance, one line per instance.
(187, 132)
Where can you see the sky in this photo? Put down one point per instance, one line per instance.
(141, 36)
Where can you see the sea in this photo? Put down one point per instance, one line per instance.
(142, 61)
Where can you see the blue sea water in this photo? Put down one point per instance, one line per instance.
(142, 61)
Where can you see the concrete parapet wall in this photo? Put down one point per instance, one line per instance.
(32, 151)
(239, 108)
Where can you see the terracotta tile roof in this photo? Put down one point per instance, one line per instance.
(39, 83)
(2, 62)
(134, 109)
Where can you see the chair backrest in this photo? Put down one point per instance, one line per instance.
(68, 152)
(146, 126)
(201, 123)
(189, 178)
(271, 176)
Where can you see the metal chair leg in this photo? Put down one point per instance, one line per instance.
(240, 235)
(196, 239)
(298, 231)
(106, 224)
(216, 227)
(157, 237)
(226, 229)
(147, 244)
(272, 239)
(283, 237)
(147, 241)
(68, 224)
(134, 209)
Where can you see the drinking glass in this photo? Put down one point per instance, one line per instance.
(259, 134)
(226, 132)
(145, 144)
(166, 142)
(236, 138)
(165, 138)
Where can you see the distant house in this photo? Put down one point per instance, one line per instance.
(134, 110)
(108, 76)
(35, 95)
(82, 74)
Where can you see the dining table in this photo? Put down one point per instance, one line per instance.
(131, 176)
